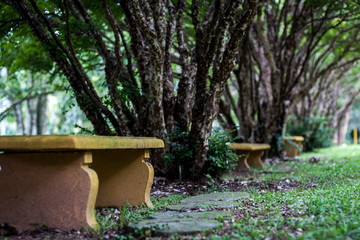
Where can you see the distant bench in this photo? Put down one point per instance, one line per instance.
(57, 180)
(292, 145)
(249, 154)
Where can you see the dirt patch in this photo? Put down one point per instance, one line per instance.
(163, 187)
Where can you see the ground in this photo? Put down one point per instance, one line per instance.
(315, 196)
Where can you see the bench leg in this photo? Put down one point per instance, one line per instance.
(254, 159)
(290, 150)
(124, 177)
(57, 190)
(301, 147)
(242, 164)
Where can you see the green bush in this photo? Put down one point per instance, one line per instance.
(315, 130)
(221, 159)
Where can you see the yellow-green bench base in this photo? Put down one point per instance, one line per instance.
(249, 154)
(57, 181)
(291, 150)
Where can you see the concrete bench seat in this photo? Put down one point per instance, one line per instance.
(57, 180)
(249, 154)
(292, 145)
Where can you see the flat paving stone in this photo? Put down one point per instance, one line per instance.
(171, 226)
(224, 200)
(190, 215)
(217, 197)
(205, 206)
(177, 220)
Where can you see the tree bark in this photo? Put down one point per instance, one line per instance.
(41, 115)
(20, 127)
(342, 128)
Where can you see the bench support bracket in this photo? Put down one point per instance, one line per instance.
(125, 177)
(55, 189)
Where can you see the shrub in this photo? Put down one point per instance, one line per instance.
(315, 130)
(221, 159)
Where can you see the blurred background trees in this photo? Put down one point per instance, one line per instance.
(296, 53)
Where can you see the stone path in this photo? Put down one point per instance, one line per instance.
(194, 214)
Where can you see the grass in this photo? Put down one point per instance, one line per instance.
(328, 210)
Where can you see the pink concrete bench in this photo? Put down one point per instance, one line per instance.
(57, 180)
(249, 154)
(291, 149)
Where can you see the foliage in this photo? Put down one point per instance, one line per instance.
(20, 96)
(315, 130)
(220, 158)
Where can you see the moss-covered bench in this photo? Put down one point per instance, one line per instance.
(57, 180)
(293, 145)
(249, 154)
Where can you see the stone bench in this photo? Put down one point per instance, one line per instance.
(292, 145)
(57, 180)
(249, 154)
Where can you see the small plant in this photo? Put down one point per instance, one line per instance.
(211, 183)
(147, 231)
(162, 203)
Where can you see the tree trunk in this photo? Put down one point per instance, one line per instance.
(41, 115)
(31, 116)
(20, 128)
(342, 128)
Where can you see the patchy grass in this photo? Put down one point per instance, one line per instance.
(313, 197)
